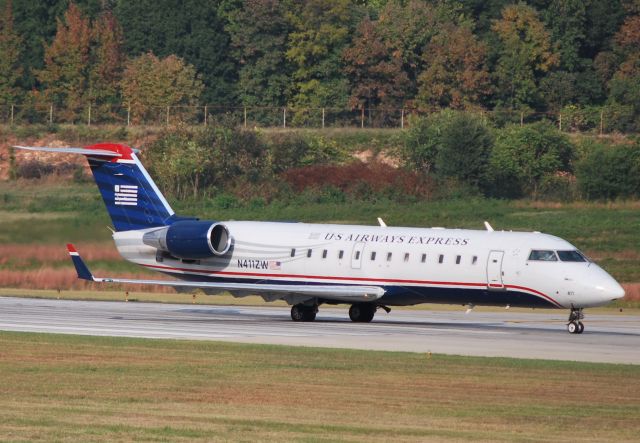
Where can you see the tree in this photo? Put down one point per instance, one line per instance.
(259, 34)
(192, 30)
(374, 69)
(65, 75)
(10, 69)
(525, 55)
(455, 75)
(321, 30)
(566, 20)
(107, 61)
(624, 87)
(408, 26)
(523, 156)
(149, 82)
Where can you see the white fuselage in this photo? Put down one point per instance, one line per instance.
(414, 265)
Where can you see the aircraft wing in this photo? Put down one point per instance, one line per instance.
(348, 293)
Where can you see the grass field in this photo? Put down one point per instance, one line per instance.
(70, 388)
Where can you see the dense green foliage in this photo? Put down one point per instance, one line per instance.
(533, 56)
(610, 172)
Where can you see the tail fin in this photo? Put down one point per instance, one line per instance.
(130, 195)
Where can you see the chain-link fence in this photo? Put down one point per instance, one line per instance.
(605, 119)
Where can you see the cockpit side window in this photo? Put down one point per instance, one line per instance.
(540, 255)
(575, 256)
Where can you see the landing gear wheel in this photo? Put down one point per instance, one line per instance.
(362, 312)
(302, 312)
(575, 326)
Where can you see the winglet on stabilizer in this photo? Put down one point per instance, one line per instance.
(81, 268)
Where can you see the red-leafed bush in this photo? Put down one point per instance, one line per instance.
(358, 179)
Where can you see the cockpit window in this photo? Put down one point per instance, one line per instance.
(571, 256)
(543, 255)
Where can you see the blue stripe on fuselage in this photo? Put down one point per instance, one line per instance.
(397, 295)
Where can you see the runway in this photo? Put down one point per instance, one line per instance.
(611, 338)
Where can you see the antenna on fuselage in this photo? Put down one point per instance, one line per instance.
(488, 226)
(382, 223)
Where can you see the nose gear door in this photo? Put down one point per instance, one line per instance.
(494, 270)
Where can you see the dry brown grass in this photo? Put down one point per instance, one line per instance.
(66, 279)
(632, 291)
(98, 389)
(17, 253)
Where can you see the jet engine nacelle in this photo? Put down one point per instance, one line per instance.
(191, 239)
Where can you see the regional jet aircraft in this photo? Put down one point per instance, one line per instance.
(308, 265)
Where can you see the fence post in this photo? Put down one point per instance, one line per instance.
(11, 115)
(362, 117)
(168, 115)
(560, 121)
(89, 116)
(521, 118)
(402, 119)
(129, 115)
(284, 117)
(322, 118)
(601, 122)
(51, 114)
(245, 117)
(205, 115)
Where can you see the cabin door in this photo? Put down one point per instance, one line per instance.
(494, 270)
(356, 256)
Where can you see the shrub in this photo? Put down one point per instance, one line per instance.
(523, 156)
(454, 145)
(608, 172)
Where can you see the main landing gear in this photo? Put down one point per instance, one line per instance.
(575, 326)
(362, 312)
(302, 312)
(358, 312)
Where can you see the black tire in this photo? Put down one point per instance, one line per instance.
(309, 314)
(297, 313)
(573, 328)
(302, 312)
(362, 312)
(580, 327)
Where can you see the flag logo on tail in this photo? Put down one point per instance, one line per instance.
(126, 195)
(275, 265)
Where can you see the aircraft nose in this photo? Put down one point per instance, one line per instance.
(611, 290)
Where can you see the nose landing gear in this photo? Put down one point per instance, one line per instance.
(575, 326)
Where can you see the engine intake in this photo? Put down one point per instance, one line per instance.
(191, 239)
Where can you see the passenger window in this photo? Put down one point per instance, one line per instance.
(458, 258)
(389, 255)
(357, 255)
(571, 256)
(340, 255)
(424, 258)
(293, 253)
(324, 254)
(474, 260)
(308, 252)
(539, 255)
(373, 256)
(441, 258)
(406, 257)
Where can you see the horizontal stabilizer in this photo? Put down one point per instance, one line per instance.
(335, 292)
(83, 151)
(81, 267)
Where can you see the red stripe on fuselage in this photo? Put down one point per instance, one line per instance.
(358, 279)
